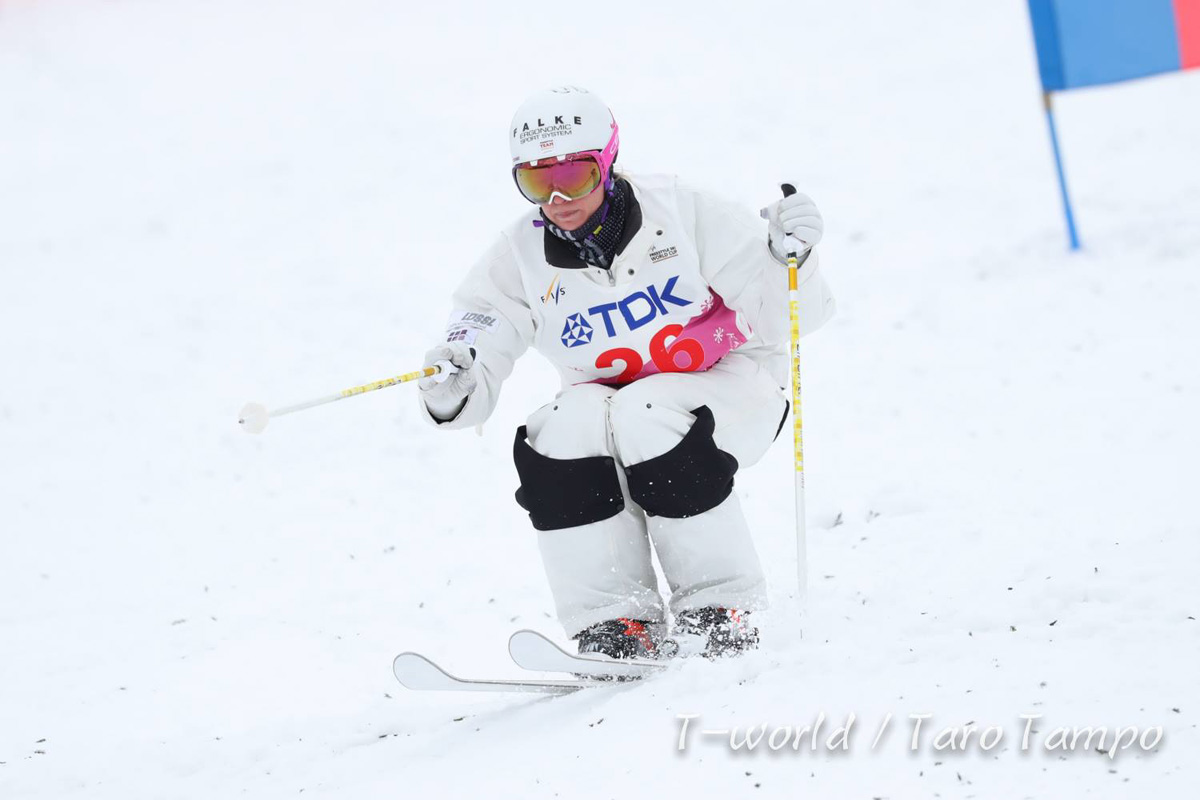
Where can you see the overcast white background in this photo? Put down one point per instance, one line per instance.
(205, 203)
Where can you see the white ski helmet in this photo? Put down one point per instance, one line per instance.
(561, 121)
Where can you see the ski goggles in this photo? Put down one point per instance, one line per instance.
(571, 178)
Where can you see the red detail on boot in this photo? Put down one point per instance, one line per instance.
(638, 631)
(738, 619)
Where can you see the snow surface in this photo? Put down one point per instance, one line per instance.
(205, 203)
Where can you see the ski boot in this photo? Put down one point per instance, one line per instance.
(711, 632)
(620, 638)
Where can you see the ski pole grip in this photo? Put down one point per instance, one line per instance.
(788, 191)
(445, 370)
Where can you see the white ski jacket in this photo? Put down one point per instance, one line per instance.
(696, 281)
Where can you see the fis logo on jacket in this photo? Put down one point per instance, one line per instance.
(629, 313)
(555, 291)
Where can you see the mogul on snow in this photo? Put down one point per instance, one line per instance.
(664, 310)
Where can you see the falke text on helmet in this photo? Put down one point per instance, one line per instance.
(542, 129)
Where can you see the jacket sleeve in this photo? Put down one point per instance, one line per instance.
(739, 266)
(491, 314)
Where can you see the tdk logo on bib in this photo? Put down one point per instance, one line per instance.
(640, 307)
(577, 331)
(631, 312)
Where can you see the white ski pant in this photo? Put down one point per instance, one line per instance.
(602, 570)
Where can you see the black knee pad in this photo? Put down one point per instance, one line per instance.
(787, 406)
(689, 479)
(565, 492)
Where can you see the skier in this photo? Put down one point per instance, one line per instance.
(665, 312)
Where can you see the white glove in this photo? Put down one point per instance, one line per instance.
(446, 393)
(795, 225)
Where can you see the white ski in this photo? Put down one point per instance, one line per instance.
(416, 672)
(533, 651)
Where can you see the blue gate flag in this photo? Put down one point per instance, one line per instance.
(1091, 42)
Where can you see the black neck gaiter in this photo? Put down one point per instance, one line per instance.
(596, 240)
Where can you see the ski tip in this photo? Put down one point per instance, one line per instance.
(526, 638)
(409, 657)
(523, 632)
(518, 635)
(415, 671)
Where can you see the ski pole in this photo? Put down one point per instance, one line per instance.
(254, 416)
(797, 420)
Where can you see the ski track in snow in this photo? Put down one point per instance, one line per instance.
(209, 203)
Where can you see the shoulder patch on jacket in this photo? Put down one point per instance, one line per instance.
(464, 326)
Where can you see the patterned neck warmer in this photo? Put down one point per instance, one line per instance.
(596, 240)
